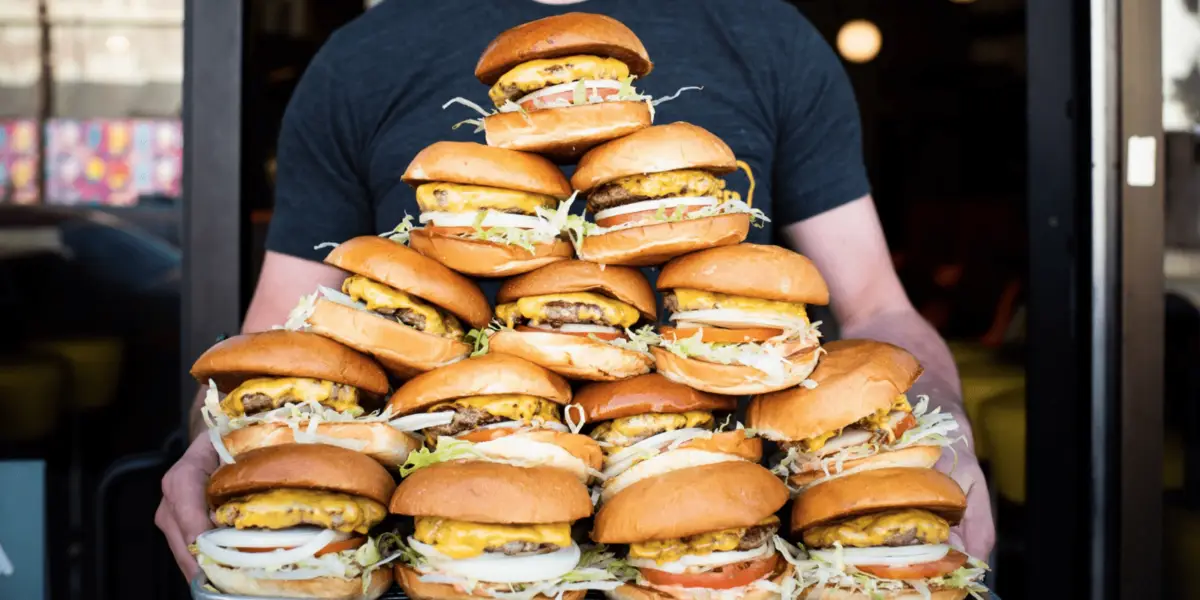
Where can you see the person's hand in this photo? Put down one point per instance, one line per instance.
(183, 513)
(976, 534)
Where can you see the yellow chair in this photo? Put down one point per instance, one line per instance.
(95, 367)
(1003, 424)
(983, 382)
(31, 391)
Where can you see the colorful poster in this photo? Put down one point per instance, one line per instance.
(113, 161)
(18, 161)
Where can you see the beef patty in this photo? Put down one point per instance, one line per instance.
(466, 418)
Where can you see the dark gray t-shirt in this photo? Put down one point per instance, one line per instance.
(371, 99)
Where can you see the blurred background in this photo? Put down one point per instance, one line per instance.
(960, 101)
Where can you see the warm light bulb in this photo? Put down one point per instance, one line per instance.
(117, 43)
(859, 41)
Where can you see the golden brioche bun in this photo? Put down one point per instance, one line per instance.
(402, 350)
(571, 356)
(623, 283)
(650, 393)
(734, 380)
(487, 492)
(721, 447)
(484, 375)
(921, 457)
(563, 35)
(562, 134)
(416, 589)
(656, 244)
(407, 270)
(637, 592)
(751, 270)
(388, 446)
(479, 258)
(729, 442)
(654, 150)
(877, 490)
(302, 466)
(237, 582)
(282, 353)
(690, 501)
(831, 593)
(580, 446)
(471, 163)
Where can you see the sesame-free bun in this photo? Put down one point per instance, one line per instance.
(654, 150)
(571, 356)
(734, 380)
(301, 466)
(564, 133)
(725, 446)
(383, 442)
(237, 582)
(650, 245)
(690, 501)
(409, 271)
(751, 270)
(416, 589)
(919, 457)
(650, 393)
(471, 163)
(878, 490)
(403, 351)
(832, 593)
(484, 375)
(488, 492)
(480, 258)
(282, 353)
(625, 284)
(630, 591)
(855, 379)
(563, 35)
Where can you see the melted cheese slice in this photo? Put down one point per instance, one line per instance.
(620, 431)
(684, 182)
(458, 198)
(877, 421)
(282, 508)
(516, 407)
(537, 74)
(665, 551)
(290, 389)
(698, 300)
(877, 529)
(461, 539)
(379, 296)
(594, 308)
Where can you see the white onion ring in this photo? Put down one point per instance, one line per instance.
(228, 537)
(901, 556)
(265, 560)
(623, 459)
(589, 84)
(712, 559)
(734, 318)
(422, 420)
(649, 205)
(495, 567)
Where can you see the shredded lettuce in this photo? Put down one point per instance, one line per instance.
(479, 340)
(769, 359)
(637, 341)
(598, 569)
(813, 572)
(577, 227)
(400, 232)
(447, 449)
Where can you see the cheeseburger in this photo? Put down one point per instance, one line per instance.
(857, 418)
(480, 208)
(577, 318)
(657, 194)
(496, 408)
(701, 532)
(495, 530)
(649, 425)
(288, 386)
(292, 522)
(740, 321)
(563, 84)
(882, 534)
(405, 309)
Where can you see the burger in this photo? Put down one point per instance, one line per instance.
(657, 194)
(882, 534)
(563, 84)
(293, 522)
(480, 209)
(403, 308)
(649, 425)
(701, 532)
(577, 319)
(857, 417)
(497, 408)
(284, 386)
(739, 319)
(494, 530)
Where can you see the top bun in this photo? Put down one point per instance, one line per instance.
(649, 393)
(487, 492)
(623, 283)
(283, 353)
(301, 466)
(409, 271)
(878, 490)
(654, 149)
(750, 270)
(471, 163)
(690, 501)
(855, 379)
(479, 376)
(563, 35)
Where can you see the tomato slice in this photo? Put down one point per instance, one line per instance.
(908, 422)
(486, 435)
(569, 96)
(644, 215)
(717, 334)
(346, 544)
(606, 336)
(721, 578)
(953, 560)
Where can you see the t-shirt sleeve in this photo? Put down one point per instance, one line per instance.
(819, 162)
(320, 194)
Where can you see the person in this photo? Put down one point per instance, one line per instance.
(773, 89)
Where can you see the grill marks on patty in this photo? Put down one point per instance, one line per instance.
(559, 313)
(651, 186)
(757, 536)
(515, 548)
(466, 418)
(407, 316)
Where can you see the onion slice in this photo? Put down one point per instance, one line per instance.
(712, 559)
(655, 204)
(589, 84)
(229, 537)
(495, 567)
(578, 328)
(491, 218)
(422, 420)
(734, 318)
(625, 458)
(901, 556)
(265, 560)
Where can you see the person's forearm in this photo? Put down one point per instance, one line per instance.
(196, 424)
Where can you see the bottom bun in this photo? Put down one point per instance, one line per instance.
(234, 581)
(572, 356)
(402, 350)
(733, 380)
(637, 592)
(656, 244)
(416, 589)
(830, 593)
(383, 442)
(486, 259)
(922, 457)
